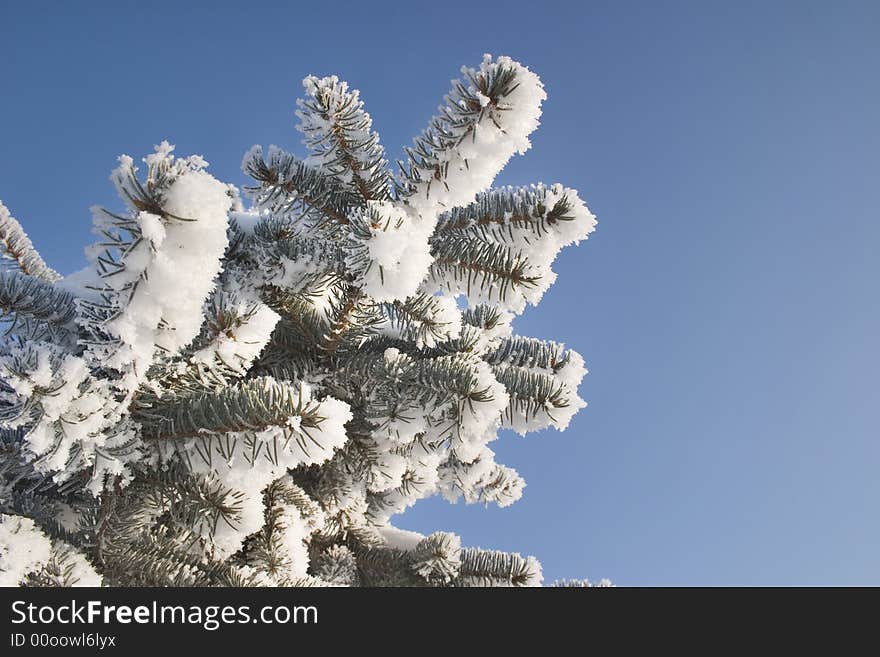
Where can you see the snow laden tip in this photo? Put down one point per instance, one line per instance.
(486, 118)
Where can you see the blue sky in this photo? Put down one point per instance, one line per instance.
(727, 306)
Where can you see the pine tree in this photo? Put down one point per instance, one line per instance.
(235, 394)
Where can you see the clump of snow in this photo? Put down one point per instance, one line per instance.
(162, 153)
(165, 310)
(394, 258)
(152, 228)
(172, 268)
(448, 318)
(23, 549)
(536, 572)
(239, 345)
(401, 539)
(574, 371)
(296, 533)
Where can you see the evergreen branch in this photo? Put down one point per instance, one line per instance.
(117, 523)
(413, 382)
(450, 376)
(531, 392)
(150, 400)
(582, 584)
(295, 262)
(529, 353)
(297, 343)
(336, 564)
(32, 304)
(223, 316)
(16, 472)
(286, 180)
(252, 405)
(467, 343)
(190, 378)
(479, 97)
(300, 316)
(149, 196)
(281, 238)
(25, 491)
(387, 567)
(196, 503)
(349, 319)
(496, 213)
(435, 561)
(17, 246)
(162, 559)
(494, 568)
(418, 319)
(62, 569)
(483, 316)
(437, 558)
(294, 350)
(130, 549)
(338, 132)
(479, 483)
(359, 358)
(494, 268)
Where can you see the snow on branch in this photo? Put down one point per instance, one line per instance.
(157, 264)
(486, 119)
(530, 224)
(15, 245)
(287, 183)
(338, 133)
(29, 557)
(388, 250)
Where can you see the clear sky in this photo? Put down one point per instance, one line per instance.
(727, 306)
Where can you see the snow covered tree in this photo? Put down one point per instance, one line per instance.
(234, 394)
